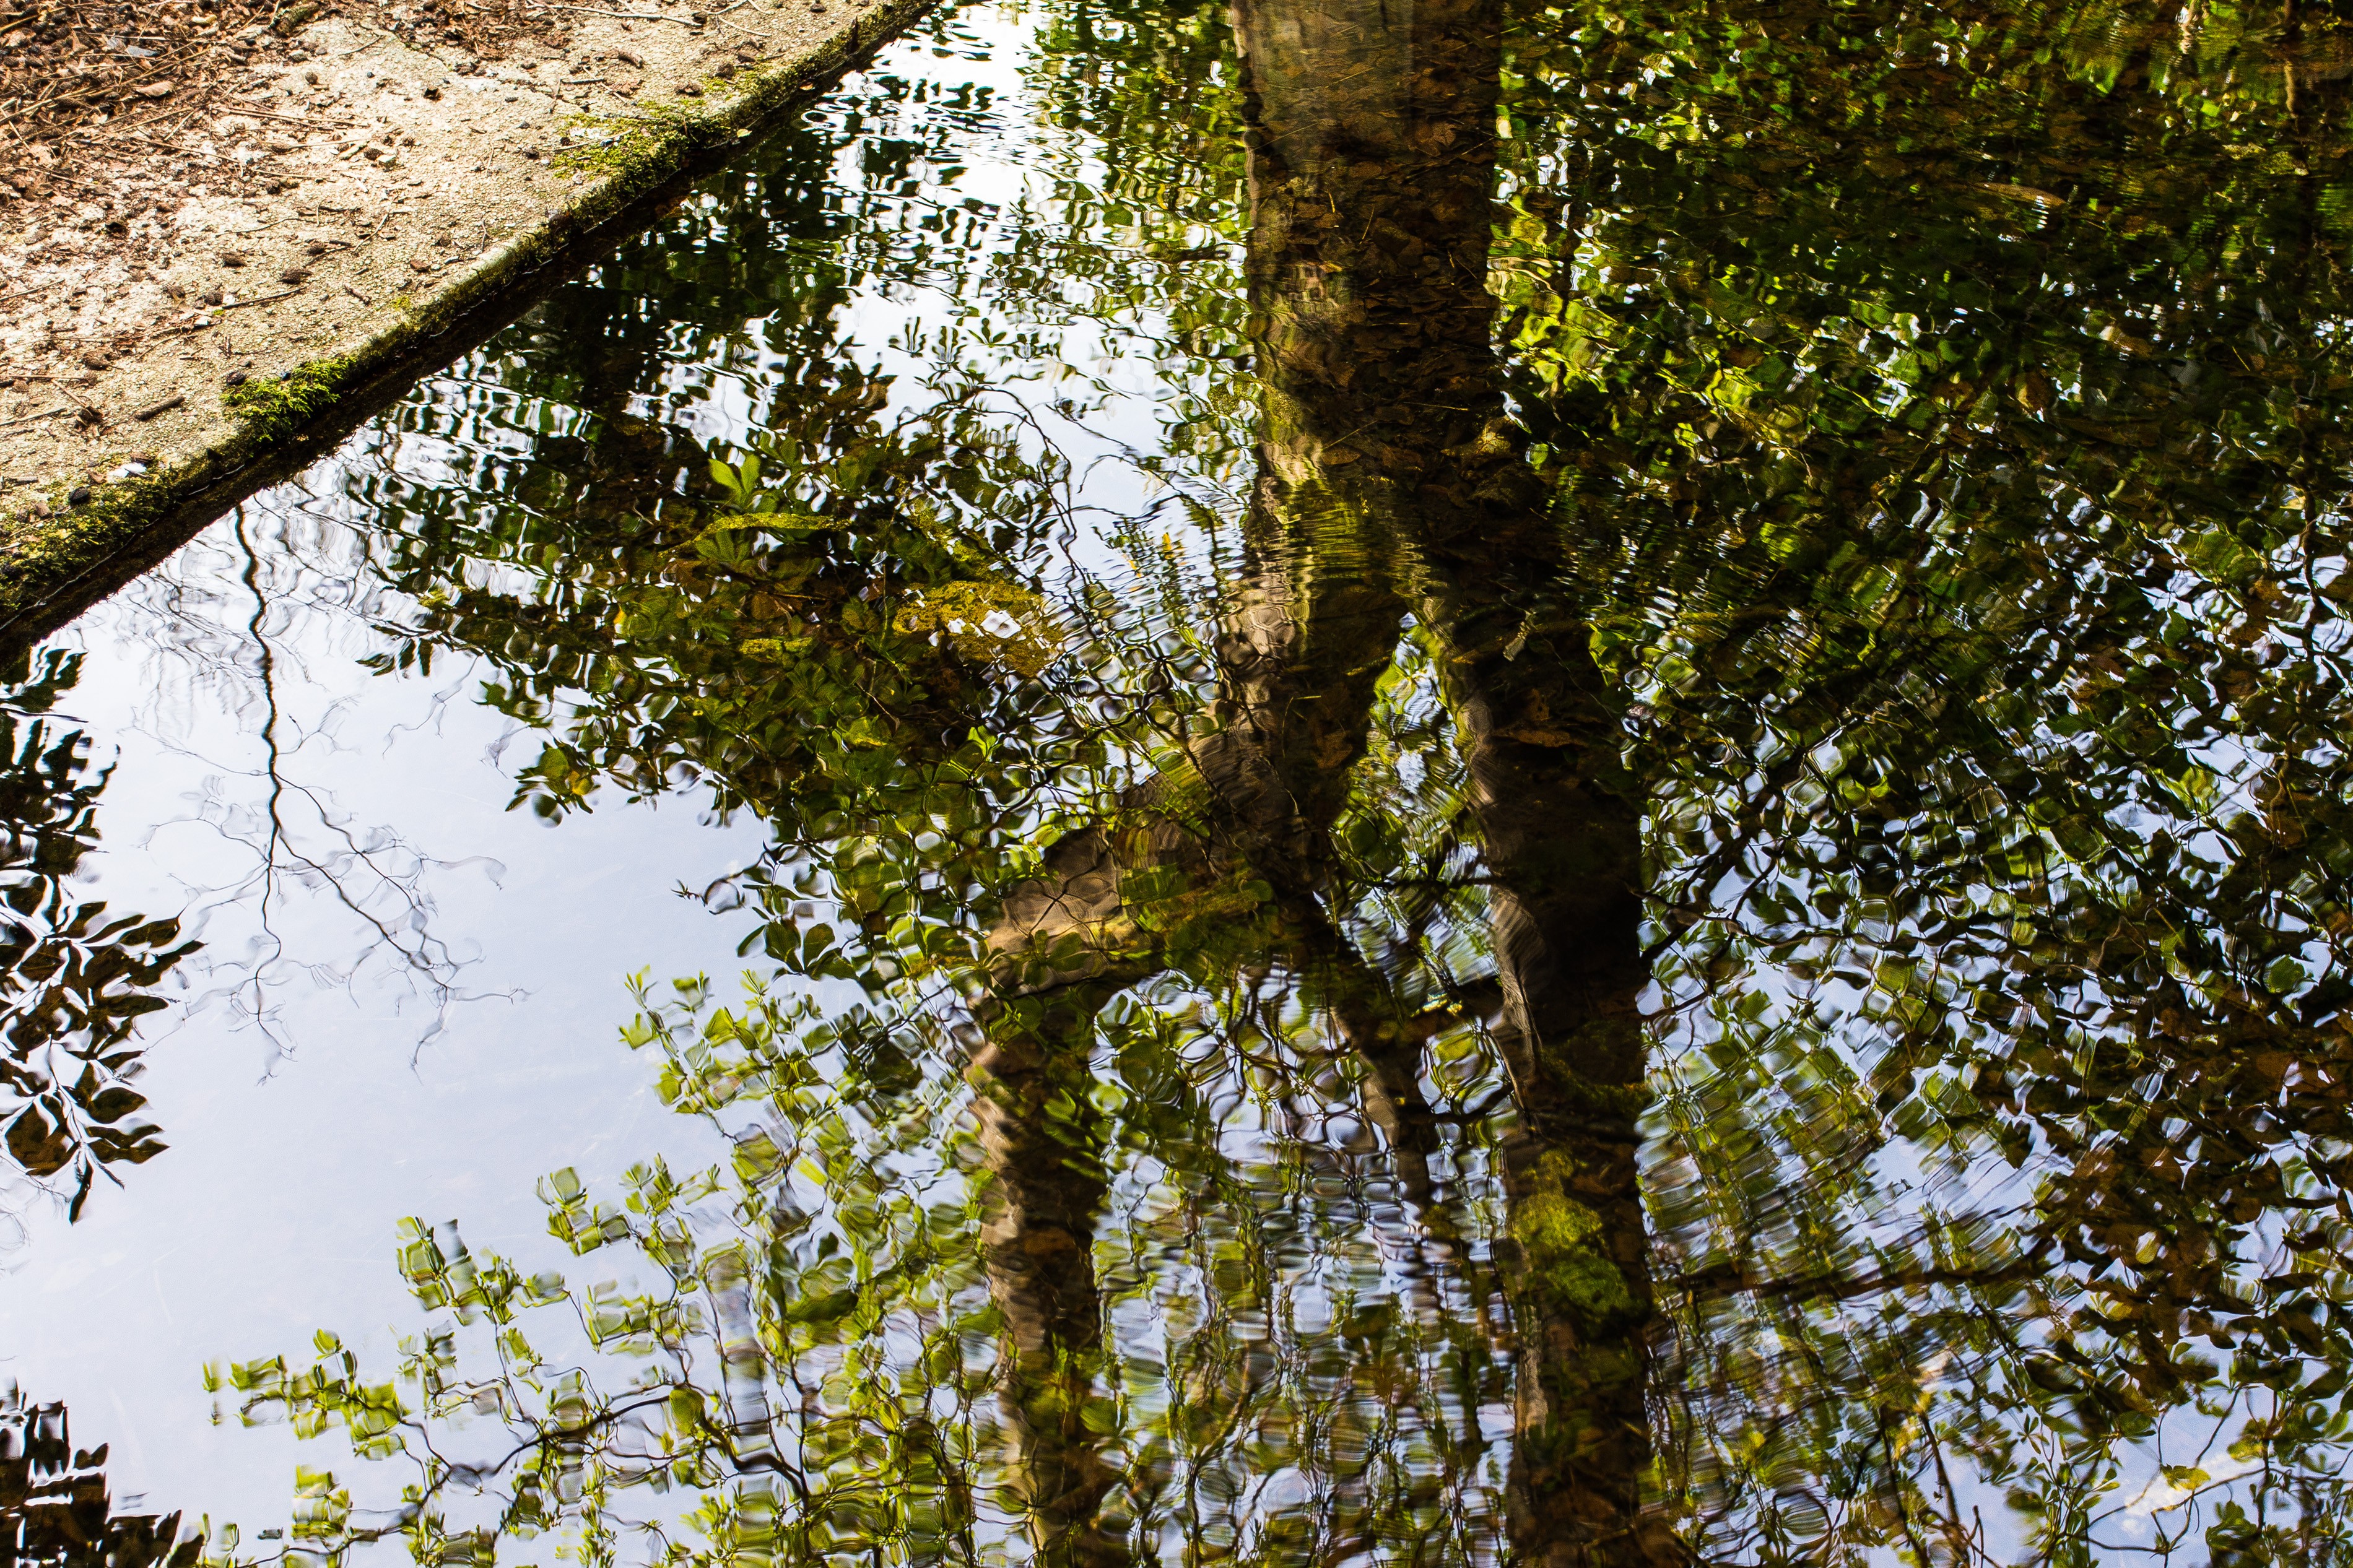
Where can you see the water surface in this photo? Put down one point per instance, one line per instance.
(1320, 785)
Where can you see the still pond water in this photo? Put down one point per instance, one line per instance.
(1336, 784)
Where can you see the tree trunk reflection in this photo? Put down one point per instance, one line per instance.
(1371, 162)
(1042, 1140)
(1389, 482)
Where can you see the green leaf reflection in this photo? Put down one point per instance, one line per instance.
(1696, 915)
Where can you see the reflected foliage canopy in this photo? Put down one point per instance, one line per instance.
(1701, 921)
(75, 978)
(55, 1508)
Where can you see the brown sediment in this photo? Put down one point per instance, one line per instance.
(197, 313)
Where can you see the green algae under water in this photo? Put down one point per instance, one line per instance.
(1338, 784)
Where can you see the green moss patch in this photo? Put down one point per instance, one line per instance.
(647, 143)
(274, 409)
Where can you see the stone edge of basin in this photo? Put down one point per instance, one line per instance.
(90, 548)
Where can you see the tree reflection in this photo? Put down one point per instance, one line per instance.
(1372, 158)
(1044, 1157)
(56, 1511)
(74, 977)
(1795, 812)
(1947, 521)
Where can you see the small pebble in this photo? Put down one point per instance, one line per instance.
(235, 378)
(78, 496)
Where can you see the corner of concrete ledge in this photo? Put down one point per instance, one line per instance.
(82, 533)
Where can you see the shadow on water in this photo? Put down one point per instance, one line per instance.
(1561, 787)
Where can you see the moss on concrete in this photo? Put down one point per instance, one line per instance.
(269, 410)
(625, 146)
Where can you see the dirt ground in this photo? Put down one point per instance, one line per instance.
(236, 200)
